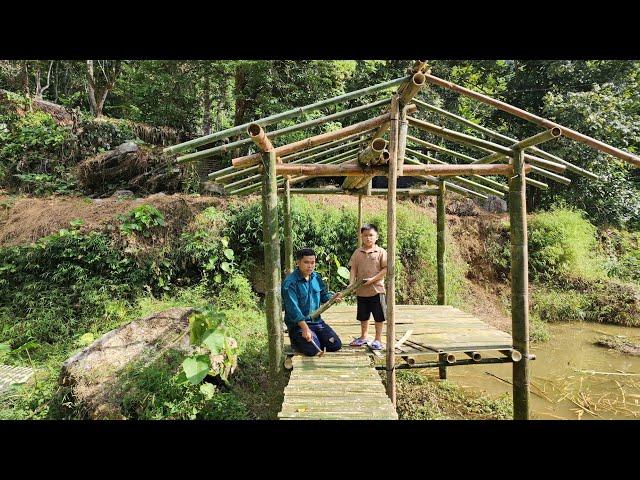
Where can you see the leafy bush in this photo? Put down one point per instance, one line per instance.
(552, 305)
(623, 251)
(141, 219)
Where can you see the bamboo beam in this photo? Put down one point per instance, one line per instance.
(448, 169)
(257, 135)
(288, 229)
(519, 285)
(376, 192)
(412, 87)
(249, 160)
(277, 133)
(273, 305)
(294, 112)
(394, 113)
(459, 137)
(441, 245)
(542, 122)
(402, 137)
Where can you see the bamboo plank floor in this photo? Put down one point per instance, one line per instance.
(338, 386)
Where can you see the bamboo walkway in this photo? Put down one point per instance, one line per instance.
(338, 386)
(13, 375)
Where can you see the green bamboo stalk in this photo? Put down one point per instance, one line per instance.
(288, 229)
(294, 112)
(293, 128)
(519, 286)
(441, 246)
(551, 175)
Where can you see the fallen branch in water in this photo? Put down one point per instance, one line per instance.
(593, 372)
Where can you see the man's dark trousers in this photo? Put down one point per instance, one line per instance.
(322, 334)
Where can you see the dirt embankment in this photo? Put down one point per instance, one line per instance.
(25, 220)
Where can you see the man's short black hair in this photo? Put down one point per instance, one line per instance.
(305, 252)
(368, 226)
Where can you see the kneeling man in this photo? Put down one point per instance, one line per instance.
(302, 293)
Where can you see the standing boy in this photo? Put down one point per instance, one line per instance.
(302, 292)
(369, 262)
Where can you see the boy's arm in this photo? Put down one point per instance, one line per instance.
(383, 270)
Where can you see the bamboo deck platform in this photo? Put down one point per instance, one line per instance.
(338, 386)
(435, 329)
(13, 375)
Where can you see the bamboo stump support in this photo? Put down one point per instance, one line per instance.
(288, 229)
(442, 369)
(394, 115)
(441, 246)
(519, 286)
(273, 305)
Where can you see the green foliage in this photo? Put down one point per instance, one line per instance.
(141, 219)
(553, 305)
(623, 254)
(538, 330)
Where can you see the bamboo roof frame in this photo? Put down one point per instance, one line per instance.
(243, 177)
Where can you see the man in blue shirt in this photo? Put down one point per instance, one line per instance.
(302, 292)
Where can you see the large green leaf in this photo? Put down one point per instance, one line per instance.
(208, 390)
(198, 324)
(344, 272)
(228, 253)
(214, 340)
(226, 267)
(196, 368)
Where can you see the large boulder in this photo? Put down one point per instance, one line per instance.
(93, 374)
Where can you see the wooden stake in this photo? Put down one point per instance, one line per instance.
(441, 221)
(394, 113)
(519, 285)
(288, 229)
(273, 305)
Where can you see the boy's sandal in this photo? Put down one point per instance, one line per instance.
(358, 342)
(375, 345)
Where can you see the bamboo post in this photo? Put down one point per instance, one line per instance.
(441, 220)
(519, 285)
(358, 237)
(394, 115)
(273, 304)
(442, 368)
(288, 229)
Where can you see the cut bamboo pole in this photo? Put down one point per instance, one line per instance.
(273, 305)
(542, 122)
(519, 285)
(294, 112)
(514, 355)
(441, 245)
(550, 175)
(370, 154)
(288, 229)
(394, 113)
(448, 169)
(347, 291)
(324, 148)
(257, 135)
(412, 87)
(459, 137)
(402, 138)
(358, 236)
(249, 160)
(475, 356)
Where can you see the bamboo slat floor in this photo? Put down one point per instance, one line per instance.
(338, 386)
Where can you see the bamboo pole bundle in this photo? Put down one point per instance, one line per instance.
(542, 122)
(294, 112)
(394, 114)
(342, 170)
(461, 180)
(249, 160)
(347, 291)
(370, 154)
(324, 148)
(459, 137)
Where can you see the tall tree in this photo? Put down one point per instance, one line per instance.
(98, 90)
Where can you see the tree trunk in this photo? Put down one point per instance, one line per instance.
(206, 106)
(241, 103)
(91, 90)
(25, 77)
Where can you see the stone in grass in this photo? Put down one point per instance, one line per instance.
(93, 377)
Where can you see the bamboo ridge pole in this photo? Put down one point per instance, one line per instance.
(325, 306)
(283, 150)
(294, 112)
(293, 128)
(542, 122)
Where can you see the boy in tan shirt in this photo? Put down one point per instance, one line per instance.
(370, 263)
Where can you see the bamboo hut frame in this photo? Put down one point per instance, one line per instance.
(318, 155)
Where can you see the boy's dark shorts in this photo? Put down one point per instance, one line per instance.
(375, 305)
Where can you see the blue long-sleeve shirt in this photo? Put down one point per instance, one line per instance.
(301, 297)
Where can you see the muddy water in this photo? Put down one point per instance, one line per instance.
(565, 384)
